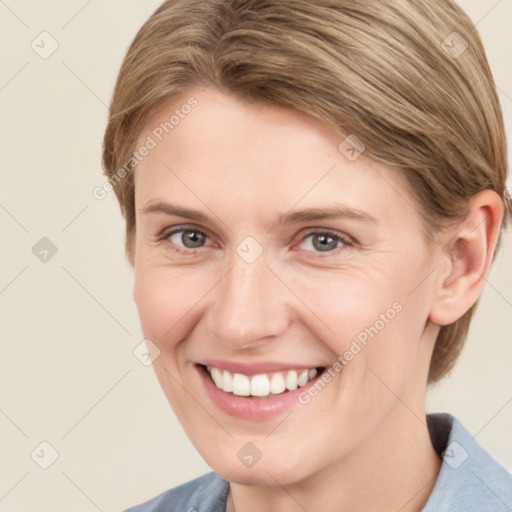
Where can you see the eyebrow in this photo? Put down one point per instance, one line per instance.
(294, 217)
(333, 212)
(170, 209)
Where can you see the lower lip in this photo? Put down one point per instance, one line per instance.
(253, 409)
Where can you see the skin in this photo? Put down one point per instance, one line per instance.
(362, 443)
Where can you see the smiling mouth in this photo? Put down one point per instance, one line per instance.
(262, 385)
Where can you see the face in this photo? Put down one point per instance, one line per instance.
(264, 255)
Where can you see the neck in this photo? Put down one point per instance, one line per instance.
(395, 470)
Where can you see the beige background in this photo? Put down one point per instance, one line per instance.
(68, 326)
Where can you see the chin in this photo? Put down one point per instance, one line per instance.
(259, 477)
(265, 472)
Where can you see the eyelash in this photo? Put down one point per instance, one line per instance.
(345, 240)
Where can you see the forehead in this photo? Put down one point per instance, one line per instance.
(223, 130)
(254, 156)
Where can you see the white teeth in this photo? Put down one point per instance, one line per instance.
(217, 377)
(277, 384)
(303, 378)
(260, 385)
(241, 385)
(227, 381)
(291, 380)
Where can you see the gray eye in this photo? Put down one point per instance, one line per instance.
(189, 238)
(322, 242)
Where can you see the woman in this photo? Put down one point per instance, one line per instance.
(314, 194)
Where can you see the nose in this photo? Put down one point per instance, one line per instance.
(249, 306)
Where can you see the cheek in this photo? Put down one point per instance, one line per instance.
(164, 299)
(347, 306)
(370, 323)
(165, 302)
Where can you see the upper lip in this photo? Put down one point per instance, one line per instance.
(255, 368)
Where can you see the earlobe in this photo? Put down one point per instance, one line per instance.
(469, 251)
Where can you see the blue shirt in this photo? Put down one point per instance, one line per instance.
(469, 480)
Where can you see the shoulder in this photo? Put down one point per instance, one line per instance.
(206, 493)
(470, 480)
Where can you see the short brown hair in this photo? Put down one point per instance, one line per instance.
(409, 78)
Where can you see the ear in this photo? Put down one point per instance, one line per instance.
(467, 257)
